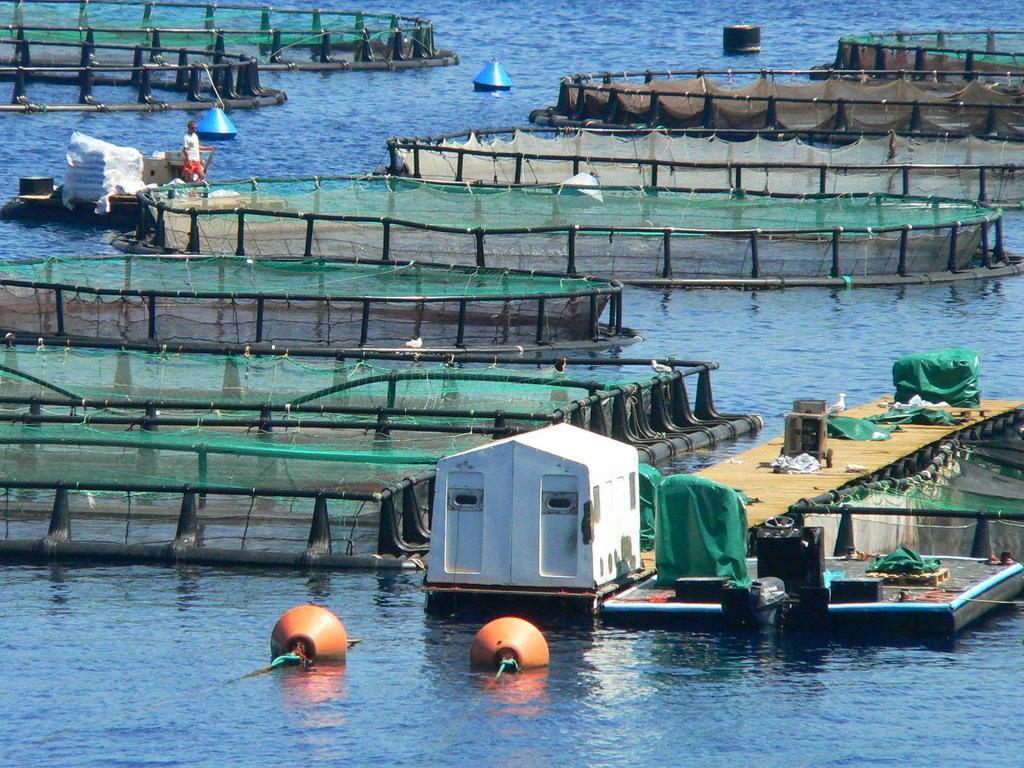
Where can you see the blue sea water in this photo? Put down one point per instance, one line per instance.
(140, 666)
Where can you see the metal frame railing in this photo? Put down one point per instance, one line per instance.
(851, 52)
(643, 413)
(925, 464)
(567, 112)
(640, 413)
(610, 291)
(153, 212)
(323, 42)
(733, 169)
(324, 27)
(647, 76)
(234, 79)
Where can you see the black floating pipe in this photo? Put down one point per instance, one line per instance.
(364, 50)
(137, 59)
(19, 94)
(187, 532)
(981, 546)
(85, 87)
(145, 91)
(60, 518)
(844, 537)
(319, 542)
(325, 48)
(181, 72)
(397, 46)
(275, 47)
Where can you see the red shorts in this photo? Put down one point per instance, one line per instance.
(193, 171)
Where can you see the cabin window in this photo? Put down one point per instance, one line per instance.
(595, 505)
(560, 502)
(632, 490)
(466, 492)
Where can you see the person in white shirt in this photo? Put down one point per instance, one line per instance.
(191, 150)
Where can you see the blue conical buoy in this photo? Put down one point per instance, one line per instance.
(492, 77)
(216, 125)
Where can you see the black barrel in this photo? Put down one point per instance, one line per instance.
(35, 185)
(741, 38)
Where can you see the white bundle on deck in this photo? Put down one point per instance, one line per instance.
(97, 169)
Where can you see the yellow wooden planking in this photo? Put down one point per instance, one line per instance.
(750, 471)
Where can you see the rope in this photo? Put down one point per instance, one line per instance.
(507, 665)
(128, 518)
(248, 517)
(220, 101)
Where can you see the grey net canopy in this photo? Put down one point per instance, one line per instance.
(970, 168)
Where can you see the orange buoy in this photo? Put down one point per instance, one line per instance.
(311, 632)
(506, 640)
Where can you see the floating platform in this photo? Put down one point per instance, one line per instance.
(124, 211)
(982, 169)
(974, 589)
(896, 101)
(644, 236)
(854, 462)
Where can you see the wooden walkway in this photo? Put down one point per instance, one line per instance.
(750, 471)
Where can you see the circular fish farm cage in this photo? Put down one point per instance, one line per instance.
(171, 456)
(978, 52)
(139, 85)
(307, 302)
(970, 168)
(642, 236)
(901, 102)
(282, 38)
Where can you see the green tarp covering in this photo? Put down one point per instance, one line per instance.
(904, 560)
(850, 428)
(650, 479)
(946, 375)
(700, 530)
(918, 415)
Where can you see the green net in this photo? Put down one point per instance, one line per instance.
(294, 461)
(609, 231)
(298, 301)
(195, 24)
(520, 208)
(1001, 48)
(234, 276)
(254, 381)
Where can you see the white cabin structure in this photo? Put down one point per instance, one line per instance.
(555, 508)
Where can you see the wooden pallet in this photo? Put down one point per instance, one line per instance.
(933, 580)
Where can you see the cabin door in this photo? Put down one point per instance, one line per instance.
(545, 529)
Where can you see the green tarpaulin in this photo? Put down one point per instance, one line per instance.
(918, 415)
(850, 428)
(904, 560)
(946, 375)
(700, 530)
(650, 479)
